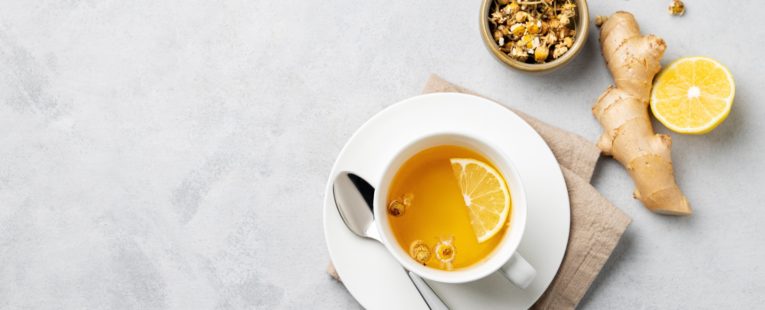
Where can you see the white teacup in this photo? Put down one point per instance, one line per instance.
(504, 258)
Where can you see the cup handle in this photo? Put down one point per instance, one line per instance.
(519, 271)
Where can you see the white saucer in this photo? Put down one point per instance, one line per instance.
(374, 277)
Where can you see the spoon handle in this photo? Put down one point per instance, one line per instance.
(431, 299)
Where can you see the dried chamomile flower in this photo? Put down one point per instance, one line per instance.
(526, 41)
(498, 35)
(544, 27)
(562, 33)
(420, 251)
(396, 208)
(497, 18)
(514, 7)
(677, 8)
(541, 53)
(446, 252)
(535, 42)
(518, 30)
(568, 42)
(519, 53)
(568, 9)
(505, 31)
(554, 24)
(559, 50)
(521, 16)
(533, 26)
(550, 39)
(564, 19)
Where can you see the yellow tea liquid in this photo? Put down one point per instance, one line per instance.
(436, 211)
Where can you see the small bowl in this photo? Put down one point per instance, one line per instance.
(582, 30)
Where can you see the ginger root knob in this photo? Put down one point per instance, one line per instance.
(622, 111)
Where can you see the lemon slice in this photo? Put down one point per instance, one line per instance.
(485, 194)
(693, 95)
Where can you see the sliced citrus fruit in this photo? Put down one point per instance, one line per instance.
(693, 95)
(486, 196)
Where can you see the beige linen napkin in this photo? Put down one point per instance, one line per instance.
(596, 225)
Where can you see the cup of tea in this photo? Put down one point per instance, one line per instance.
(451, 208)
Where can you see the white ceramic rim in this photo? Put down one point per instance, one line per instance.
(510, 240)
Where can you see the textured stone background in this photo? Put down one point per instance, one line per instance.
(173, 154)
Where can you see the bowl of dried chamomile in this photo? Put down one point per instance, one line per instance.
(534, 35)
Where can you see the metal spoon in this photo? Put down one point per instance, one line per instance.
(353, 198)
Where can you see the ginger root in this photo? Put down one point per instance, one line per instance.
(628, 136)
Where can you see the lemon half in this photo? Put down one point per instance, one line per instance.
(693, 95)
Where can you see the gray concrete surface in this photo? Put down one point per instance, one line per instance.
(173, 154)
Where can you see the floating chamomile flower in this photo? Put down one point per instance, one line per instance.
(420, 251)
(397, 207)
(446, 252)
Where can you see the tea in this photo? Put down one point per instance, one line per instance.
(438, 202)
